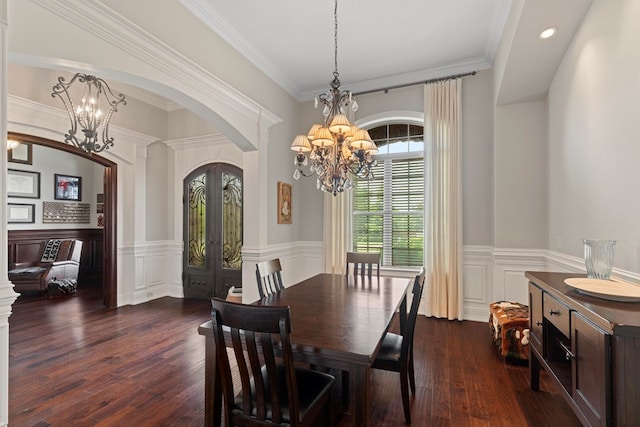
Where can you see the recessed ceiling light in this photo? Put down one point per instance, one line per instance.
(548, 32)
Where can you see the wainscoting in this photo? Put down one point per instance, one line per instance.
(152, 270)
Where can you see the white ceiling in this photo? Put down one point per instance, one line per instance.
(380, 46)
(380, 43)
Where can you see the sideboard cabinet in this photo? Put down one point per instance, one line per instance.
(590, 346)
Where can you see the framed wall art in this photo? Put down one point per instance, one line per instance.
(67, 187)
(20, 213)
(284, 203)
(22, 153)
(23, 184)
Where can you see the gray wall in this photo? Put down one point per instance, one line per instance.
(520, 176)
(594, 135)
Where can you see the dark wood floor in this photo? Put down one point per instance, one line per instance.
(74, 363)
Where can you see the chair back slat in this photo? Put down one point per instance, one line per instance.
(255, 347)
(268, 277)
(359, 262)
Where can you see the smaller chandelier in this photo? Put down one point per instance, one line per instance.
(336, 148)
(89, 115)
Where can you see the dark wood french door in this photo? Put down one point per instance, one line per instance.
(212, 231)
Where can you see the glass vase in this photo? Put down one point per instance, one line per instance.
(598, 258)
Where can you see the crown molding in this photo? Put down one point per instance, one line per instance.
(115, 29)
(497, 28)
(204, 11)
(414, 77)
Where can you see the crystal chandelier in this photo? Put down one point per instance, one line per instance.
(336, 149)
(89, 115)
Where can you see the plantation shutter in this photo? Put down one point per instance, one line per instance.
(388, 212)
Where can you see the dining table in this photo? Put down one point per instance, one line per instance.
(338, 322)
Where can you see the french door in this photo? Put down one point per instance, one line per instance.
(212, 225)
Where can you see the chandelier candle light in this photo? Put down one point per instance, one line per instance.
(89, 115)
(335, 148)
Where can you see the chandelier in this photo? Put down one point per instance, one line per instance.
(89, 114)
(336, 149)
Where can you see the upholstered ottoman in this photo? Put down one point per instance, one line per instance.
(509, 328)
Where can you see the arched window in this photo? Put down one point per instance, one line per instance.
(388, 210)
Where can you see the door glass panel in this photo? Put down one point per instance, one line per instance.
(231, 221)
(197, 225)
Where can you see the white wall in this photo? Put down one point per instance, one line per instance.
(594, 136)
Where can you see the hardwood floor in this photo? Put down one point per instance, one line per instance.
(74, 363)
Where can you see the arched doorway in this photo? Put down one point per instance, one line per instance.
(110, 203)
(212, 231)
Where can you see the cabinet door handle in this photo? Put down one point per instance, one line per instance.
(568, 354)
(538, 323)
(554, 312)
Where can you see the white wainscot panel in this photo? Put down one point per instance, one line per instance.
(140, 281)
(155, 266)
(476, 289)
(516, 287)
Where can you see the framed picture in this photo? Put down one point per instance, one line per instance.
(67, 187)
(23, 153)
(284, 203)
(20, 213)
(23, 184)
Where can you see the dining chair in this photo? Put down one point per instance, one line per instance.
(272, 390)
(268, 277)
(396, 351)
(361, 261)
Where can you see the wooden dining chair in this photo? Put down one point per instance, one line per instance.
(269, 277)
(396, 351)
(361, 261)
(272, 389)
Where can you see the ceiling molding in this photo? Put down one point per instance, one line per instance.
(115, 29)
(497, 29)
(416, 77)
(204, 11)
(207, 12)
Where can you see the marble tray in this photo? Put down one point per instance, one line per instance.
(606, 289)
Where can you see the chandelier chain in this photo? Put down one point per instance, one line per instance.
(335, 38)
(336, 149)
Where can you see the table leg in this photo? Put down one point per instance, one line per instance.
(359, 394)
(212, 386)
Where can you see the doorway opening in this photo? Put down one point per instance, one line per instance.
(109, 244)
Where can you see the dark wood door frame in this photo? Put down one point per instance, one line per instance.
(110, 288)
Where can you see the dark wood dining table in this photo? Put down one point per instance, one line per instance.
(338, 322)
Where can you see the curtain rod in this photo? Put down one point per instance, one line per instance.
(439, 79)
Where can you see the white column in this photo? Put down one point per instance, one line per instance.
(255, 222)
(7, 295)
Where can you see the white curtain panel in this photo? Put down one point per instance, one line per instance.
(443, 204)
(337, 231)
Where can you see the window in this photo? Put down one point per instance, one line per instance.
(388, 210)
